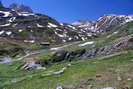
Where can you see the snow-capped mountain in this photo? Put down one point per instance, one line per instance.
(31, 27)
(84, 24)
(104, 24)
(108, 22)
(20, 8)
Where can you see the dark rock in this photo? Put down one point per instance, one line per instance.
(16, 51)
(131, 40)
(12, 52)
(117, 44)
(75, 55)
(98, 76)
(59, 56)
(68, 56)
(3, 52)
(90, 79)
(45, 43)
(86, 54)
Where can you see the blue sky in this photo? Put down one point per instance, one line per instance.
(72, 10)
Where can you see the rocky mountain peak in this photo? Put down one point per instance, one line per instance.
(104, 24)
(20, 8)
(82, 22)
(19, 23)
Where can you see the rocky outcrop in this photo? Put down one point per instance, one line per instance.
(12, 52)
(32, 27)
(110, 22)
(59, 56)
(104, 24)
(84, 24)
(121, 43)
(67, 56)
(31, 65)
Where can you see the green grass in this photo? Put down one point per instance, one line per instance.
(36, 47)
(104, 39)
(79, 72)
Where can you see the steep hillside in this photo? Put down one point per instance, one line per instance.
(38, 52)
(104, 24)
(31, 27)
(103, 63)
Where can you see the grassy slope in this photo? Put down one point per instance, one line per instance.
(77, 74)
(79, 71)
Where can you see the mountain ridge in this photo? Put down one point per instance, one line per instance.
(17, 23)
(28, 22)
(37, 51)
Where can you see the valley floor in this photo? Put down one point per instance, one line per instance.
(97, 73)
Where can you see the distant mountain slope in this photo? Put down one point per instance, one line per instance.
(37, 27)
(18, 22)
(105, 23)
(106, 63)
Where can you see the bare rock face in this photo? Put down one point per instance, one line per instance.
(109, 22)
(18, 22)
(59, 56)
(83, 24)
(31, 65)
(121, 43)
(104, 24)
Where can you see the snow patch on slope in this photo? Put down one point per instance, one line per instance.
(52, 25)
(6, 14)
(87, 43)
(38, 25)
(8, 24)
(12, 19)
(25, 14)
